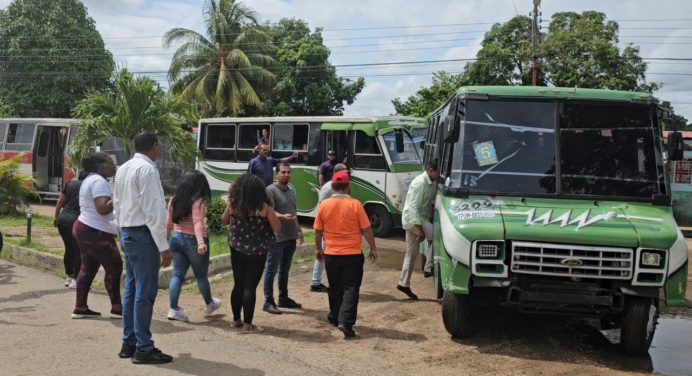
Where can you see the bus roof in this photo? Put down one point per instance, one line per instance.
(557, 92)
(39, 120)
(368, 124)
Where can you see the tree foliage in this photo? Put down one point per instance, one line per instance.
(133, 105)
(577, 50)
(50, 55)
(307, 83)
(15, 187)
(226, 70)
(427, 99)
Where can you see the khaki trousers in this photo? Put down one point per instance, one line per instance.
(412, 251)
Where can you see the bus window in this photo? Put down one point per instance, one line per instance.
(20, 137)
(248, 138)
(3, 128)
(219, 142)
(289, 138)
(367, 154)
(115, 147)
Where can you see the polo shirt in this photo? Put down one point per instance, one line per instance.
(263, 167)
(341, 218)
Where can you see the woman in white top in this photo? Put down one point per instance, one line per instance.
(96, 236)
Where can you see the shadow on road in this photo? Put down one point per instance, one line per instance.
(160, 326)
(186, 364)
(34, 295)
(552, 338)
(7, 274)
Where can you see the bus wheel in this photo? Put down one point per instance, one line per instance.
(457, 315)
(380, 220)
(639, 321)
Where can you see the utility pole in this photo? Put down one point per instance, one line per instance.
(534, 37)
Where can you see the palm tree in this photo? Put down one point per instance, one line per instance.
(132, 105)
(227, 69)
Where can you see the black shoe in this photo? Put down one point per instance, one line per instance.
(319, 288)
(127, 351)
(116, 314)
(289, 303)
(407, 291)
(347, 330)
(428, 274)
(271, 308)
(332, 322)
(88, 314)
(154, 356)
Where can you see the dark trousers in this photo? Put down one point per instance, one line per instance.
(345, 274)
(247, 273)
(98, 248)
(72, 259)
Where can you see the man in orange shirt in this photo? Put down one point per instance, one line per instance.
(342, 221)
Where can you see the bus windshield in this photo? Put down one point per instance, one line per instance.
(410, 153)
(605, 149)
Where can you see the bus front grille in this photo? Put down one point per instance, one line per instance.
(575, 261)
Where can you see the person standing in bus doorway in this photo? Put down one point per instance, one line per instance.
(66, 213)
(325, 192)
(414, 219)
(327, 168)
(263, 165)
(341, 219)
(280, 255)
(140, 211)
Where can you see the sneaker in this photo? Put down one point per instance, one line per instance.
(289, 303)
(68, 280)
(347, 330)
(213, 306)
(116, 314)
(154, 356)
(407, 291)
(88, 314)
(73, 284)
(127, 351)
(319, 288)
(177, 314)
(271, 308)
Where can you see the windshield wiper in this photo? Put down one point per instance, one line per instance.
(475, 179)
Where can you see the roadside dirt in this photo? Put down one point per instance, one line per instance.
(399, 336)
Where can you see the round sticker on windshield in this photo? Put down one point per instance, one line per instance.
(485, 153)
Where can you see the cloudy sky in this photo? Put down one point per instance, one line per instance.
(386, 31)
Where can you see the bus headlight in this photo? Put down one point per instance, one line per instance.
(651, 258)
(487, 250)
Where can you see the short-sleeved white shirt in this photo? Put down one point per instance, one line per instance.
(95, 186)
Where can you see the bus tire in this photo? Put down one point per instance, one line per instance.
(457, 315)
(380, 220)
(639, 321)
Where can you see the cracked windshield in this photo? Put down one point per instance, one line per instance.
(507, 146)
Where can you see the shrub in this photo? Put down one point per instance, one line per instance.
(216, 208)
(15, 187)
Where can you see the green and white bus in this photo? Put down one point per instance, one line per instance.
(554, 201)
(379, 150)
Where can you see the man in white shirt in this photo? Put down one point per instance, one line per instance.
(140, 212)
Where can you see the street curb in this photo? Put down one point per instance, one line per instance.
(53, 263)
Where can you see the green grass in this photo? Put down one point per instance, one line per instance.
(33, 245)
(20, 220)
(218, 243)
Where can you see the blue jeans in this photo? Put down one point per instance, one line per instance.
(279, 257)
(142, 261)
(183, 248)
(317, 271)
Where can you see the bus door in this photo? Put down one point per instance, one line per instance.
(48, 157)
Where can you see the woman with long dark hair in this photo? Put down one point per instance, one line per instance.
(66, 213)
(252, 226)
(189, 244)
(96, 236)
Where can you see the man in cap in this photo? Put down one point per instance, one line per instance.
(342, 222)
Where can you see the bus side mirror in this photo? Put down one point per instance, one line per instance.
(675, 146)
(451, 129)
(399, 139)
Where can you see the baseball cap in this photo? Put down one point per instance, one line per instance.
(331, 152)
(340, 167)
(340, 177)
